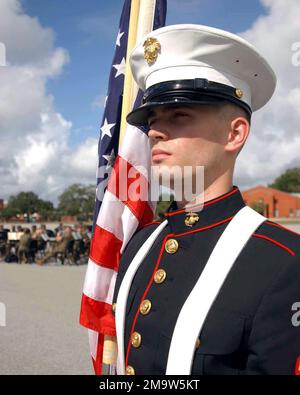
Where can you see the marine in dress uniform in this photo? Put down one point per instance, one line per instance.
(249, 327)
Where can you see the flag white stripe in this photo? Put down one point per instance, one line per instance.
(93, 342)
(130, 224)
(135, 149)
(115, 217)
(110, 213)
(99, 282)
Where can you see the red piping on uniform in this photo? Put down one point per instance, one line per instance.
(204, 227)
(204, 204)
(151, 223)
(155, 268)
(143, 297)
(282, 227)
(275, 242)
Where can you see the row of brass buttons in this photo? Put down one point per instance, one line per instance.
(129, 369)
(160, 275)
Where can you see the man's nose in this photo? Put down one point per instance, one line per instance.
(158, 133)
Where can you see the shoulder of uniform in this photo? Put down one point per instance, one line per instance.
(145, 230)
(153, 223)
(279, 235)
(140, 235)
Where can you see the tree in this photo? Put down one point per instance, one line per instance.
(77, 200)
(259, 207)
(162, 205)
(26, 203)
(289, 181)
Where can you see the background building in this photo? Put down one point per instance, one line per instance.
(273, 203)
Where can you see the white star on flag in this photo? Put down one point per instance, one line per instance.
(120, 34)
(106, 128)
(110, 158)
(120, 68)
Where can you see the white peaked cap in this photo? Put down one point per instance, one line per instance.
(188, 52)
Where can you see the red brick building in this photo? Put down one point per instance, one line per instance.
(277, 204)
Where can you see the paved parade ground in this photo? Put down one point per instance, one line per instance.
(42, 334)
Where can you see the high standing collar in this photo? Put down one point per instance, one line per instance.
(213, 211)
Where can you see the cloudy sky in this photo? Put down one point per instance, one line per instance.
(52, 89)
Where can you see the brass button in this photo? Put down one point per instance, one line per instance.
(160, 276)
(113, 307)
(171, 246)
(198, 343)
(145, 307)
(136, 339)
(239, 93)
(130, 371)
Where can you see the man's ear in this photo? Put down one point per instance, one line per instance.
(237, 134)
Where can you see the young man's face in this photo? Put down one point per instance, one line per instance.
(190, 136)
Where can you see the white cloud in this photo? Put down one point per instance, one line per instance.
(34, 151)
(274, 143)
(83, 159)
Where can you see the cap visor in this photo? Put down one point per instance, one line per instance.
(139, 116)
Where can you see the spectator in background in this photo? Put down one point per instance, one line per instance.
(62, 242)
(59, 229)
(86, 238)
(42, 239)
(42, 233)
(78, 242)
(3, 241)
(34, 233)
(24, 246)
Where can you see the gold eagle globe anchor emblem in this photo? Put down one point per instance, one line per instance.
(191, 219)
(151, 49)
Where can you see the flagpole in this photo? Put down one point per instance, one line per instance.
(140, 23)
(110, 342)
(128, 80)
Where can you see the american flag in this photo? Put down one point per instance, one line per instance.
(116, 215)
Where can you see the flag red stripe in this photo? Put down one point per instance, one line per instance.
(98, 362)
(92, 313)
(105, 248)
(134, 192)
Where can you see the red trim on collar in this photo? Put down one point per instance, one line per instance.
(275, 242)
(203, 228)
(297, 368)
(151, 223)
(235, 189)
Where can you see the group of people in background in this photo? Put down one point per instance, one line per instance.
(39, 244)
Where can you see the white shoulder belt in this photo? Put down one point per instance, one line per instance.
(201, 298)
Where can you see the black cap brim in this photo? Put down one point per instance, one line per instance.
(184, 93)
(139, 116)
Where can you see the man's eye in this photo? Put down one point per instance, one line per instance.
(180, 114)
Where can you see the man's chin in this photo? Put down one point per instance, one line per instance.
(167, 173)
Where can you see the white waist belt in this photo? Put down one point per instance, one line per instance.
(196, 307)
